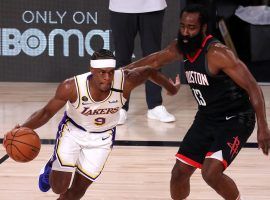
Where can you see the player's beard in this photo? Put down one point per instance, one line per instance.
(192, 45)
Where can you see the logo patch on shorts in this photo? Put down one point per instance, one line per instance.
(229, 117)
(234, 146)
(104, 138)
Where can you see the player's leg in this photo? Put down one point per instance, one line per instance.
(124, 30)
(43, 180)
(60, 181)
(231, 137)
(150, 31)
(212, 173)
(93, 156)
(189, 157)
(66, 154)
(77, 189)
(62, 162)
(180, 180)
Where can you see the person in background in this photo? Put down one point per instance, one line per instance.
(127, 19)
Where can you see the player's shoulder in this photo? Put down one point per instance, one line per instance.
(82, 76)
(67, 89)
(67, 85)
(220, 55)
(217, 46)
(219, 50)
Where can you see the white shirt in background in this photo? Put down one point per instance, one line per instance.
(137, 6)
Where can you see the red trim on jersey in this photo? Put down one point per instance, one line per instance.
(224, 162)
(189, 161)
(192, 59)
(209, 154)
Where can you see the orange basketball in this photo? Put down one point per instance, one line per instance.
(22, 144)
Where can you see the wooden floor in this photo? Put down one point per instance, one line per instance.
(132, 172)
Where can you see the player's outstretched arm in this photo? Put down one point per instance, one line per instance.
(224, 59)
(62, 95)
(158, 59)
(171, 86)
(139, 75)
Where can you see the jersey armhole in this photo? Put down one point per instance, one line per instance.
(76, 104)
(122, 98)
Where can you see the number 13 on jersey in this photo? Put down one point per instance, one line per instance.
(198, 95)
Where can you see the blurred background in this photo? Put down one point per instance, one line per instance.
(48, 41)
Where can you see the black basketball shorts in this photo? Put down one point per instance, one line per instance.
(220, 138)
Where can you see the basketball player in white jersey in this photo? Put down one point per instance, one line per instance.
(86, 133)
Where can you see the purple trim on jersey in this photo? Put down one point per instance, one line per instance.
(113, 136)
(73, 122)
(59, 131)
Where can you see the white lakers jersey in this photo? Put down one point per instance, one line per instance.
(95, 116)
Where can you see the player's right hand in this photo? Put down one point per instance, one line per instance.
(263, 138)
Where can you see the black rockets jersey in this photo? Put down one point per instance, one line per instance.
(215, 94)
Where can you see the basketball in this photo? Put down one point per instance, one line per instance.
(22, 144)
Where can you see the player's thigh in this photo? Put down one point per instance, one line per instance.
(67, 151)
(60, 180)
(195, 144)
(92, 160)
(230, 137)
(80, 183)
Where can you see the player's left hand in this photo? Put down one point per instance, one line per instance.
(176, 84)
(264, 140)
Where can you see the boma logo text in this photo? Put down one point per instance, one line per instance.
(34, 42)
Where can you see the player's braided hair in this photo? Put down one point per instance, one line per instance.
(102, 54)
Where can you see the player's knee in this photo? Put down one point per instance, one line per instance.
(212, 171)
(59, 187)
(209, 176)
(60, 181)
(180, 196)
(176, 175)
(77, 193)
(179, 174)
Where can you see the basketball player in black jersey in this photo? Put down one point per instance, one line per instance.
(228, 98)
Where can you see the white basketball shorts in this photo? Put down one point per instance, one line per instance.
(81, 151)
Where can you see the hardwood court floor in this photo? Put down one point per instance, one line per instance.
(138, 173)
(131, 172)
